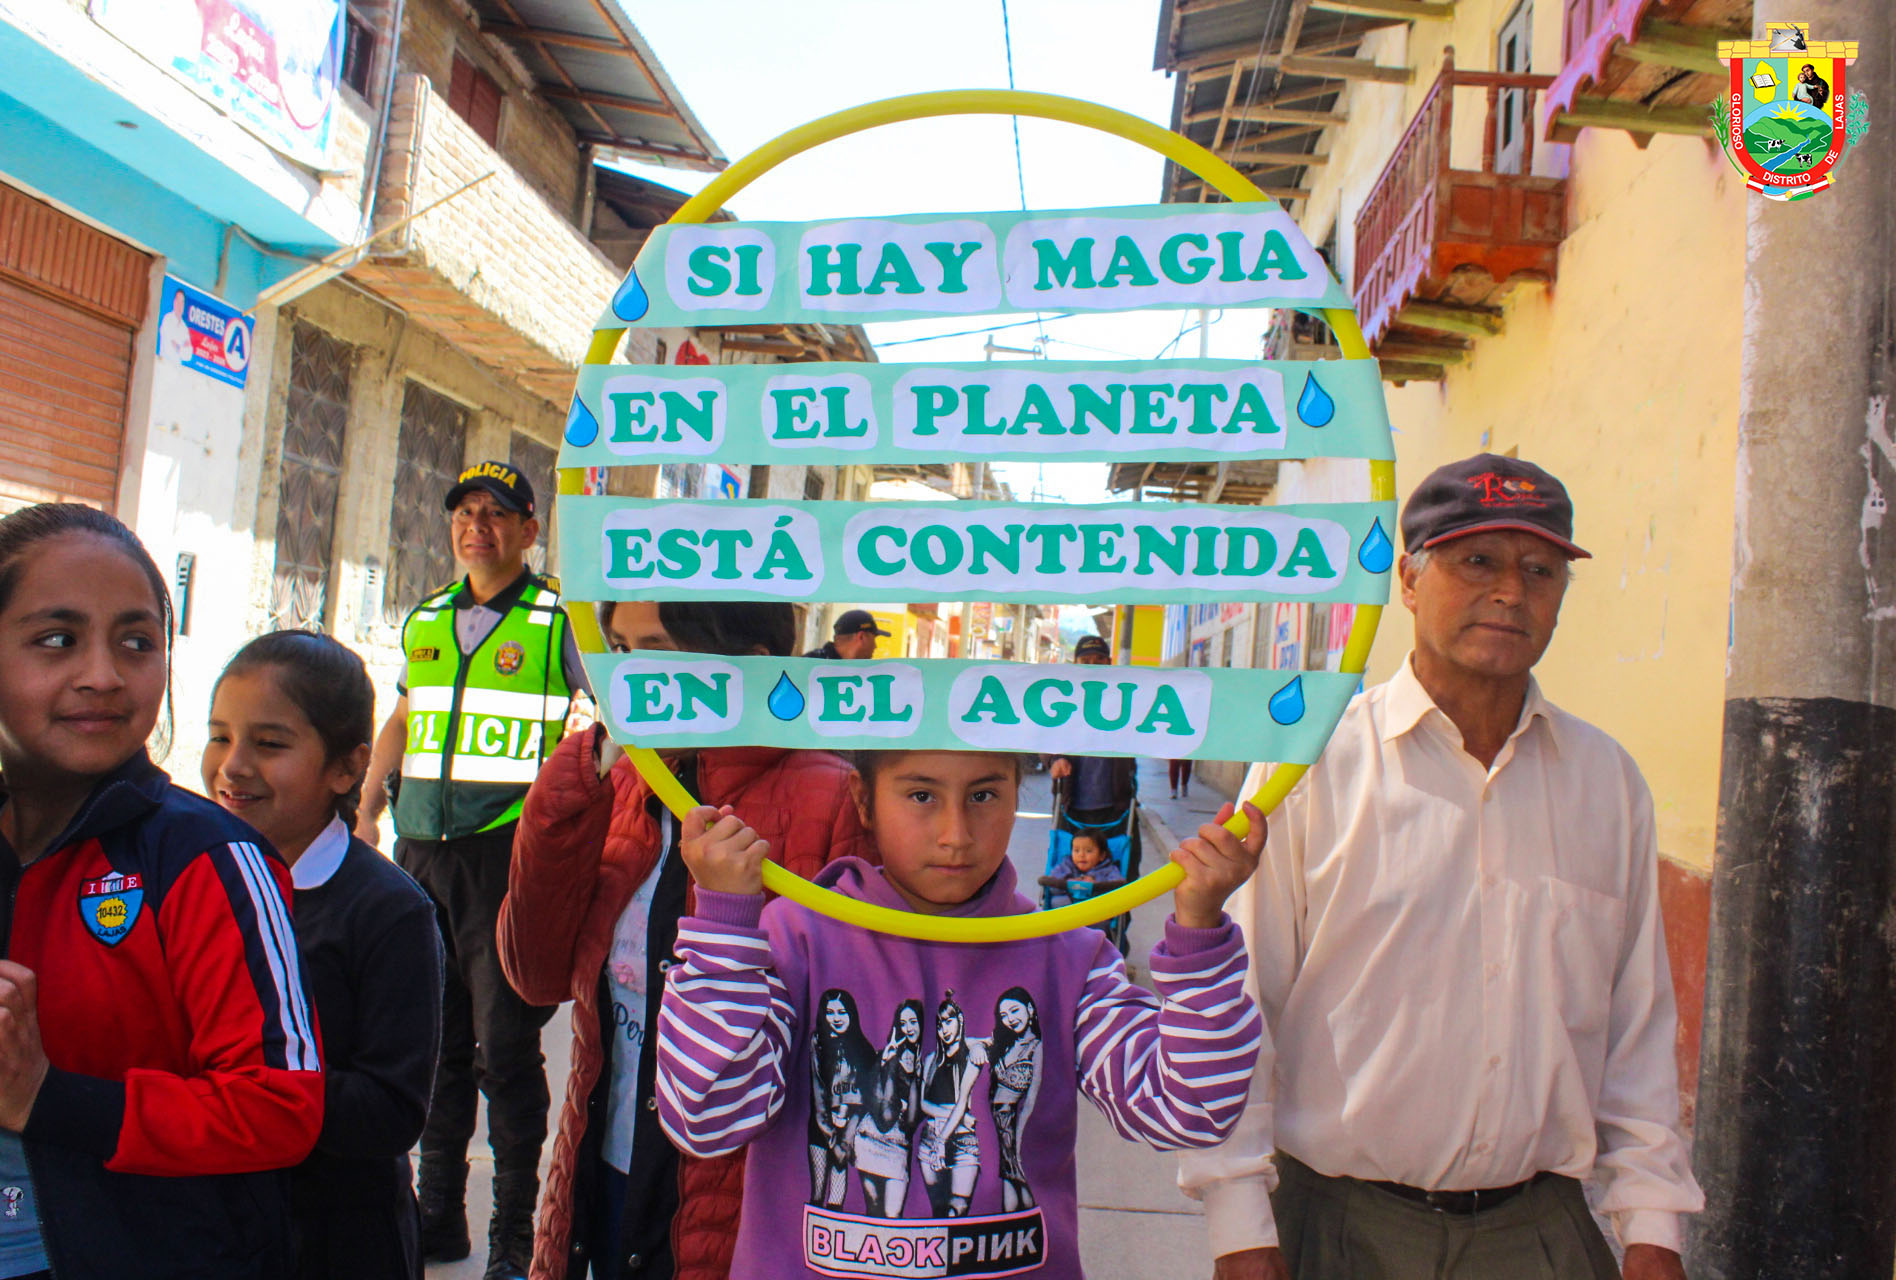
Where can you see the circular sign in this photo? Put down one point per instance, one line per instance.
(236, 345)
(1219, 264)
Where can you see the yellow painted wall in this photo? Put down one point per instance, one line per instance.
(1622, 379)
(1148, 631)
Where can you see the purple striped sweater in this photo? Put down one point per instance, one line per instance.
(911, 1107)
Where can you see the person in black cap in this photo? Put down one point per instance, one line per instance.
(1458, 902)
(487, 682)
(1099, 789)
(855, 637)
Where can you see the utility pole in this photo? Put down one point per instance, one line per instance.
(1796, 1133)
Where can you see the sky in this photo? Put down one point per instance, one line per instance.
(752, 69)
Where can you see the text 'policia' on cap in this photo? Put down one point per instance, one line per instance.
(508, 486)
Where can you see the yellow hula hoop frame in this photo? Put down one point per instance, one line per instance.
(1003, 102)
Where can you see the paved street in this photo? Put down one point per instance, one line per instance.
(1131, 1212)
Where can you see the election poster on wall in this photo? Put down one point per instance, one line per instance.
(203, 333)
(271, 65)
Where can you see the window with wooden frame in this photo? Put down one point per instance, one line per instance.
(475, 97)
(358, 53)
(316, 415)
(428, 456)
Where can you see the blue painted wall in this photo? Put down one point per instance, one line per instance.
(60, 135)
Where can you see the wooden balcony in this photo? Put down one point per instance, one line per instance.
(1645, 66)
(1436, 246)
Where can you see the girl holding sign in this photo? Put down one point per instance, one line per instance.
(744, 1015)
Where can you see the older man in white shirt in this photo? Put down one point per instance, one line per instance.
(1456, 941)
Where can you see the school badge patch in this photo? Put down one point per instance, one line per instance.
(509, 657)
(1786, 120)
(110, 907)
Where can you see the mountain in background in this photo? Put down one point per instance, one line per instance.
(1791, 131)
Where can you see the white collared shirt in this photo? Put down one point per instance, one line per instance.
(1463, 972)
(321, 860)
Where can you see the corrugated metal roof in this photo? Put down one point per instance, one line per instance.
(588, 59)
(640, 201)
(1209, 44)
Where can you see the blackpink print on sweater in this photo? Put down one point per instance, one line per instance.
(910, 1107)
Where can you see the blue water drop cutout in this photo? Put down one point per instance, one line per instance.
(630, 302)
(581, 427)
(1287, 704)
(1315, 406)
(786, 700)
(1377, 553)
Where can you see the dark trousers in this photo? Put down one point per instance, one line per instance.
(490, 1037)
(1341, 1229)
(1179, 773)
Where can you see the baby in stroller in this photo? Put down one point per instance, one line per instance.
(1087, 864)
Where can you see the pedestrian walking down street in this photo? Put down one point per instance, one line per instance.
(854, 637)
(290, 724)
(490, 672)
(1456, 940)
(591, 916)
(159, 1064)
(1179, 774)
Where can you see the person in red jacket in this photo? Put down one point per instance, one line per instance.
(159, 1063)
(594, 897)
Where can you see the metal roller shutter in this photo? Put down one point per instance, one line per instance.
(71, 301)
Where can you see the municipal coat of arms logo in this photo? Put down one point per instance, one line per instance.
(1787, 118)
(109, 907)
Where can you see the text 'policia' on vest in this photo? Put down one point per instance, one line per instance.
(479, 724)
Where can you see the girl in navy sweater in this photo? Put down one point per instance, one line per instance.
(292, 718)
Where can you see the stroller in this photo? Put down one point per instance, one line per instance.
(1117, 832)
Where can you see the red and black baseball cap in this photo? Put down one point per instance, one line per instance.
(1488, 492)
(509, 487)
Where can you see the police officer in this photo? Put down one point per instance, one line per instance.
(489, 675)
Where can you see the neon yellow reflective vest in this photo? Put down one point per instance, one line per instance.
(479, 725)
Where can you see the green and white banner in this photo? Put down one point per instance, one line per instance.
(1069, 411)
(860, 270)
(669, 700)
(1126, 552)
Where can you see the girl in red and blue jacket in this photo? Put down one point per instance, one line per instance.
(159, 1063)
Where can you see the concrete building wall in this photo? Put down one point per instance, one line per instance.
(203, 472)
